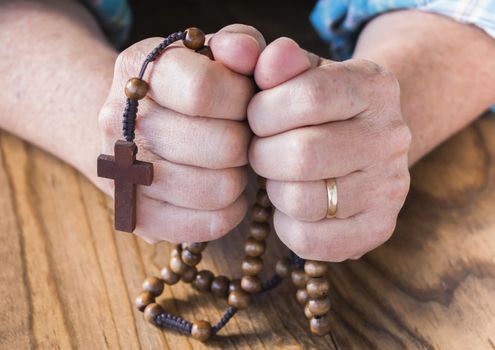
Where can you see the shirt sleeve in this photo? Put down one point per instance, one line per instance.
(480, 13)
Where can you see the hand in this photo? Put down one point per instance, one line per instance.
(317, 119)
(191, 126)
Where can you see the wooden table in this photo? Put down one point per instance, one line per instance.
(68, 281)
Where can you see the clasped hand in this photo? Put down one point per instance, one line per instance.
(313, 119)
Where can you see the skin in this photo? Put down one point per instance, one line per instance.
(363, 121)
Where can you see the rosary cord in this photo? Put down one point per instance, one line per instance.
(231, 311)
(176, 323)
(131, 107)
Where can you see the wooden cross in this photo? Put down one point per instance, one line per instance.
(127, 172)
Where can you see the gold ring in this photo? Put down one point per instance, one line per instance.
(332, 197)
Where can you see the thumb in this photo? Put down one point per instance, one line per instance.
(282, 60)
(237, 47)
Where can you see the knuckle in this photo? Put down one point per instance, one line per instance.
(399, 138)
(223, 221)
(302, 149)
(109, 119)
(234, 142)
(314, 92)
(231, 185)
(295, 200)
(198, 102)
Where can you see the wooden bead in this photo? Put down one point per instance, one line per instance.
(206, 51)
(176, 251)
(261, 214)
(320, 306)
(220, 286)
(201, 330)
(315, 268)
(259, 230)
(262, 199)
(194, 38)
(239, 299)
(151, 311)
(203, 280)
(136, 88)
(282, 268)
(143, 300)
(235, 285)
(252, 266)
(251, 284)
(299, 278)
(253, 247)
(319, 325)
(307, 312)
(196, 247)
(302, 296)
(154, 285)
(190, 258)
(262, 182)
(317, 287)
(168, 276)
(177, 265)
(189, 275)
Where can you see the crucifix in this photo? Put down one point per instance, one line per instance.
(127, 172)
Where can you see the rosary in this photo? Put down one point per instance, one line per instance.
(308, 276)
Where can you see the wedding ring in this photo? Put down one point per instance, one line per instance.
(332, 198)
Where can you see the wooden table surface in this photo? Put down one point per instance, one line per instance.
(68, 281)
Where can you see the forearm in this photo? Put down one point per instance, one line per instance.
(444, 68)
(56, 70)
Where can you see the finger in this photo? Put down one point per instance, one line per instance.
(159, 221)
(335, 239)
(237, 47)
(195, 188)
(325, 151)
(196, 141)
(332, 92)
(186, 82)
(357, 193)
(282, 60)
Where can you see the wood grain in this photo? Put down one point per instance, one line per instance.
(68, 281)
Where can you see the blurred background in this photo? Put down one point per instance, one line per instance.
(272, 18)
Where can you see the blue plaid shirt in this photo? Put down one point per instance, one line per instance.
(339, 21)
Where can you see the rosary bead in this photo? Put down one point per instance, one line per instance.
(252, 266)
(196, 247)
(251, 284)
(252, 247)
(259, 230)
(299, 278)
(143, 300)
(206, 51)
(307, 312)
(168, 276)
(151, 311)
(220, 286)
(319, 306)
(136, 88)
(235, 285)
(176, 251)
(239, 299)
(189, 275)
(262, 182)
(194, 38)
(315, 268)
(201, 330)
(262, 198)
(302, 296)
(317, 287)
(190, 258)
(319, 325)
(203, 280)
(282, 268)
(154, 285)
(177, 265)
(261, 214)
